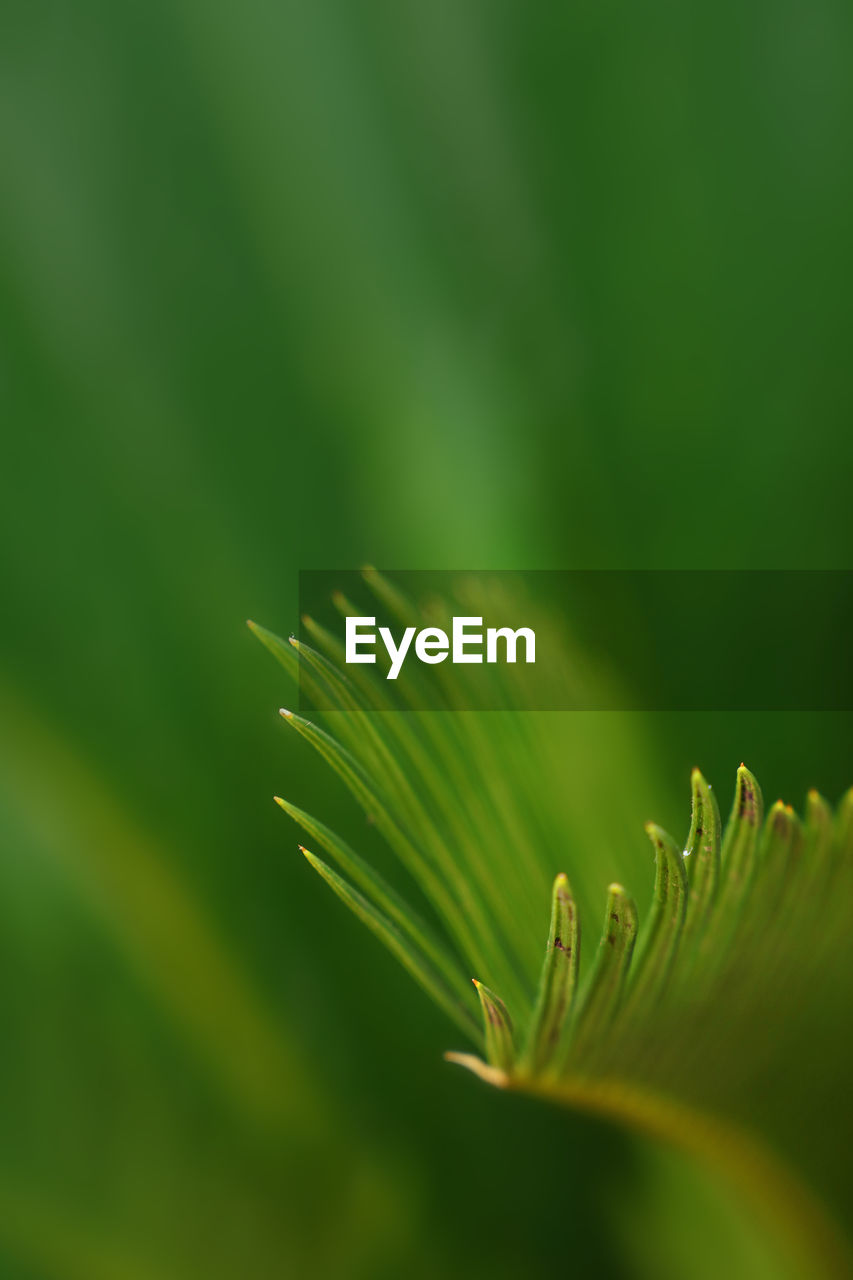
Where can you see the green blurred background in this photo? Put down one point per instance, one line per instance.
(445, 284)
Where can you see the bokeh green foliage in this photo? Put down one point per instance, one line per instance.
(311, 284)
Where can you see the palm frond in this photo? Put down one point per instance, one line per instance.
(708, 1017)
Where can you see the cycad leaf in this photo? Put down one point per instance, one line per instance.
(744, 960)
(703, 856)
(462, 915)
(280, 649)
(818, 831)
(384, 898)
(603, 992)
(739, 859)
(741, 839)
(844, 825)
(662, 931)
(398, 606)
(557, 983)
(284, 654)
(399, 946)
(500, 1050)
(779, 844)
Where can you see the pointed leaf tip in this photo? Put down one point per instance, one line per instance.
(741, 836)
(780, 821)
(557, 982)
(500, 1050)
(703, 849)
(818, 832)
(748, 798)
(662, 931)
(778, 851)
(605, 983)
